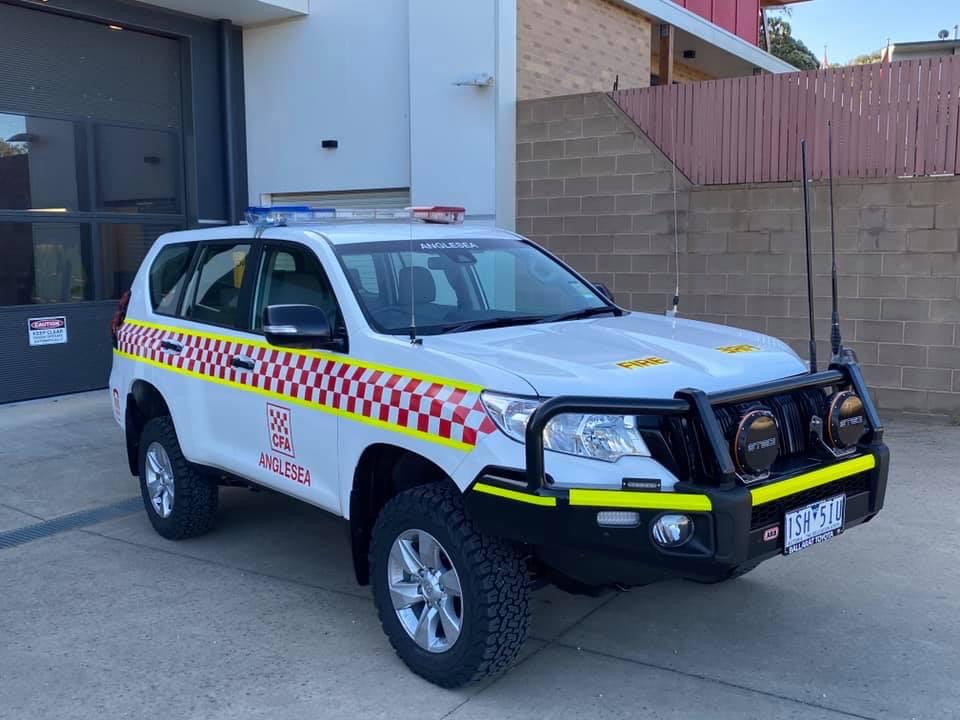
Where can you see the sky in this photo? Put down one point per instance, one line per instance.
(854, 27)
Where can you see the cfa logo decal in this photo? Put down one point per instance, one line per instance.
(280, 430)
(281, 441)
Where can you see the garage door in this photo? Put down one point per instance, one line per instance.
(91, 172)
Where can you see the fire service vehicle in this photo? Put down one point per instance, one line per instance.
(484, 418)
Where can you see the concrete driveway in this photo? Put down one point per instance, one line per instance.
(262, 618)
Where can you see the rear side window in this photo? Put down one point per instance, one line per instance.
(214, 293)
(167, 277)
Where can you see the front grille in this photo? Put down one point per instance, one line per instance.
(772, 512)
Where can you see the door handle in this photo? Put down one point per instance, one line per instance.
(242, 362)
(170, 345)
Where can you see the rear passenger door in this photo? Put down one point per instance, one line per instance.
(213, 315)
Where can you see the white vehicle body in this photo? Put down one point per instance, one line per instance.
(480, 413)
(223, 418)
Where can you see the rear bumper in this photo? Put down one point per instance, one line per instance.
(561, 529)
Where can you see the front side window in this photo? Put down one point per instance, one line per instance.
(214, 293)
(453, 286)
(167, 276)
(292, 275)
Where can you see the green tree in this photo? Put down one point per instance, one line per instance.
(867, 58)
(6, 149)
(786, 47)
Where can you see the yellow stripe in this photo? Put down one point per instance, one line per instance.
(514, 495)
(308, 353)
(813, 479)
(641, 500)
(455, 444)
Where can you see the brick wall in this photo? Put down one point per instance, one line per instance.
(682, 73)
(593, 189)
(576, 46)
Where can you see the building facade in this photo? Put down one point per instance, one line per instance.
(122, 120)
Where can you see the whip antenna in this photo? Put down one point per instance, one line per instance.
(806, 233)
(414, 340)
(835, 340)
(676, 235)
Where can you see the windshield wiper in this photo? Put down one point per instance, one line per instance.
(579, 314)
(493, 323)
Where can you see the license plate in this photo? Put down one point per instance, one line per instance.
(815, 523)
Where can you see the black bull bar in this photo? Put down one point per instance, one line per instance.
(697, 405)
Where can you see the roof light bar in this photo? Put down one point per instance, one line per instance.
(444, 214)
(281, 215)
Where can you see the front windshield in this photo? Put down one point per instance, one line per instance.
(460, 285)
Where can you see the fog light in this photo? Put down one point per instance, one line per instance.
(618, 518)
(672, 530)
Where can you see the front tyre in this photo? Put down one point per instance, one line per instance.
(454, 603)
(180, 502)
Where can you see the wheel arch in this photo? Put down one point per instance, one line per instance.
(383, 471)
(144, 402)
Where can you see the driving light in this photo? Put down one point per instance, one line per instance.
(671, 531)
(618, 518)
(846, 423)
(602, 437)
(756, 442)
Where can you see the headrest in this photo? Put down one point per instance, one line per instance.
(417, 283)
(354, 276)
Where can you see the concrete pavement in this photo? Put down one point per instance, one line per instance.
(262, 619)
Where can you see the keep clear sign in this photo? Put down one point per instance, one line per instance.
(47, 330)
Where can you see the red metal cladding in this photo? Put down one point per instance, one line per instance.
(889, 120)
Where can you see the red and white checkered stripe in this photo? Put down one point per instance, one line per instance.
(436, 409)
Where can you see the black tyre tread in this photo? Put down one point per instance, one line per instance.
(501, 613)
(195, 497)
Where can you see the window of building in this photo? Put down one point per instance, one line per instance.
(41, 164)
(138, 170)
(167, 276)
(214, 293)
(122, 248)
(44, 262)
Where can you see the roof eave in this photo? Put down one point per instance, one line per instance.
(669, 12)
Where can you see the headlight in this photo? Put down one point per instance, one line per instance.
(602, 437)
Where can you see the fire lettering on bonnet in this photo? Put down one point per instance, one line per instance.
(285, 468)
(645, 362)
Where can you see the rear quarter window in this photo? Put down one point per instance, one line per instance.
(167, 277)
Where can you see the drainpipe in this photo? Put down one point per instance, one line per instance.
(228, 103)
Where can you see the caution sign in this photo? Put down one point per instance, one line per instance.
(47, 330)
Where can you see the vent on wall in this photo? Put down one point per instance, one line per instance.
(391, 198)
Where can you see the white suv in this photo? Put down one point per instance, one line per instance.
(484, 416)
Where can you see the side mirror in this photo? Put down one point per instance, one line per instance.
(300, 326)
(605, 291)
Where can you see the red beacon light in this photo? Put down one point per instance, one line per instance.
(441, 214)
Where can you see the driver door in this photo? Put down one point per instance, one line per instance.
(288, 441)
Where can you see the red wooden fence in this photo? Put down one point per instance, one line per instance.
(889, 120)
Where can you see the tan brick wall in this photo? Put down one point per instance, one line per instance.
(576, 46)
(594, 189)
(681, 72)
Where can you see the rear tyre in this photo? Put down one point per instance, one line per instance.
(454, 603)
(180, 502)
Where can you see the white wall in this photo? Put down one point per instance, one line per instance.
(339, 73)
(379, 76)
(452, 133)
